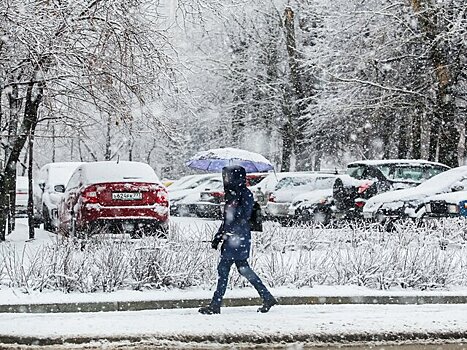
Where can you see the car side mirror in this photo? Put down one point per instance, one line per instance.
(457, 188)
(59, 188)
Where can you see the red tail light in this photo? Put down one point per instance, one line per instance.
(359, 204)
(162, 197)
(272, 197)
(364, 187)
(216, 194)
(89, 195)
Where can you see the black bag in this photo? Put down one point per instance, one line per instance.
(256, 219)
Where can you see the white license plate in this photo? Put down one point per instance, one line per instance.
(126, 196)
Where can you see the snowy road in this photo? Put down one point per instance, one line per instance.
(243, 324)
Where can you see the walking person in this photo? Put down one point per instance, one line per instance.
(235, 236)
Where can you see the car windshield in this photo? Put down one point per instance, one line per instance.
(398, 172)
(289, 182)
(355, 171)
(324, 183)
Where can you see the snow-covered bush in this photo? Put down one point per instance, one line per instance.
(415, 255)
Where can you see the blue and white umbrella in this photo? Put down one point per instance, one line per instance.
(215, 159)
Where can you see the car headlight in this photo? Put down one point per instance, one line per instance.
(428, 207)
(453, 209)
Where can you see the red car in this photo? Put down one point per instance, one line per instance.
(114, 197)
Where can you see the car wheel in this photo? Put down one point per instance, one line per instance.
(76, 232)
(47, 219)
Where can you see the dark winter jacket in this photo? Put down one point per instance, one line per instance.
(235, 229)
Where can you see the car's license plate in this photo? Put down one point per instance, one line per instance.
(126, 196)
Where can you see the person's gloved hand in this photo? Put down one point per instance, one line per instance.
(215, 243)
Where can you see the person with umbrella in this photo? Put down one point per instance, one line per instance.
(235, 235)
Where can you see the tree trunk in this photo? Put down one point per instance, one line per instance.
(108, 139)
(444, 111)
(417, 136)
(297, 108)
(31, 221)
(402, 148)
(29, 122)
(287, 136)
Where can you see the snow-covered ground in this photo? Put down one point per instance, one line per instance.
(244, 324)
(239, 324)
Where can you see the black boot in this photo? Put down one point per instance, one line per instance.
(267, 304)
(209, 310)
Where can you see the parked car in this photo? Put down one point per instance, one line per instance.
(22, 194)
(262, 190)
(186, 191)
(48, 190)
(314, 206)
(452, 204)
(210, 202)
(410, 202)
(368, 178)
(114, 197)
(288, 188)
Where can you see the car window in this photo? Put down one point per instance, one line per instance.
(213, 184)
(356, 171)
(432, 171)
(407, 173)
(323, 183)
(254, 180)
(197, 183)
(385, 169)
(289, 182)
(74, 180)
(414, 173)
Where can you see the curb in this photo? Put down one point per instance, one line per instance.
(196, 303)
(253, 340)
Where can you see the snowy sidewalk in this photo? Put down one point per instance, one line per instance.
(15, 301)
(305, 324)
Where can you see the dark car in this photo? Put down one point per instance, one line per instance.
(367, 178)
(211, 201)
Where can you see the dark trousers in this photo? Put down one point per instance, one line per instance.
(246, 271)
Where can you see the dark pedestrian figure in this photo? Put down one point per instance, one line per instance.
(235, 236)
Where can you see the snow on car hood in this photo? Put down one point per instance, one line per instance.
(440, 183)
(289, 194)
(451, 197)
(313, 196)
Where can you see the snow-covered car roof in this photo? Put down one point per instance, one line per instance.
(437, 184)
(60, 172)
(121, 171)
(188, 180)
(451, 197)
(396, 161)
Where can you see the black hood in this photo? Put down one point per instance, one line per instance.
(234, 178)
